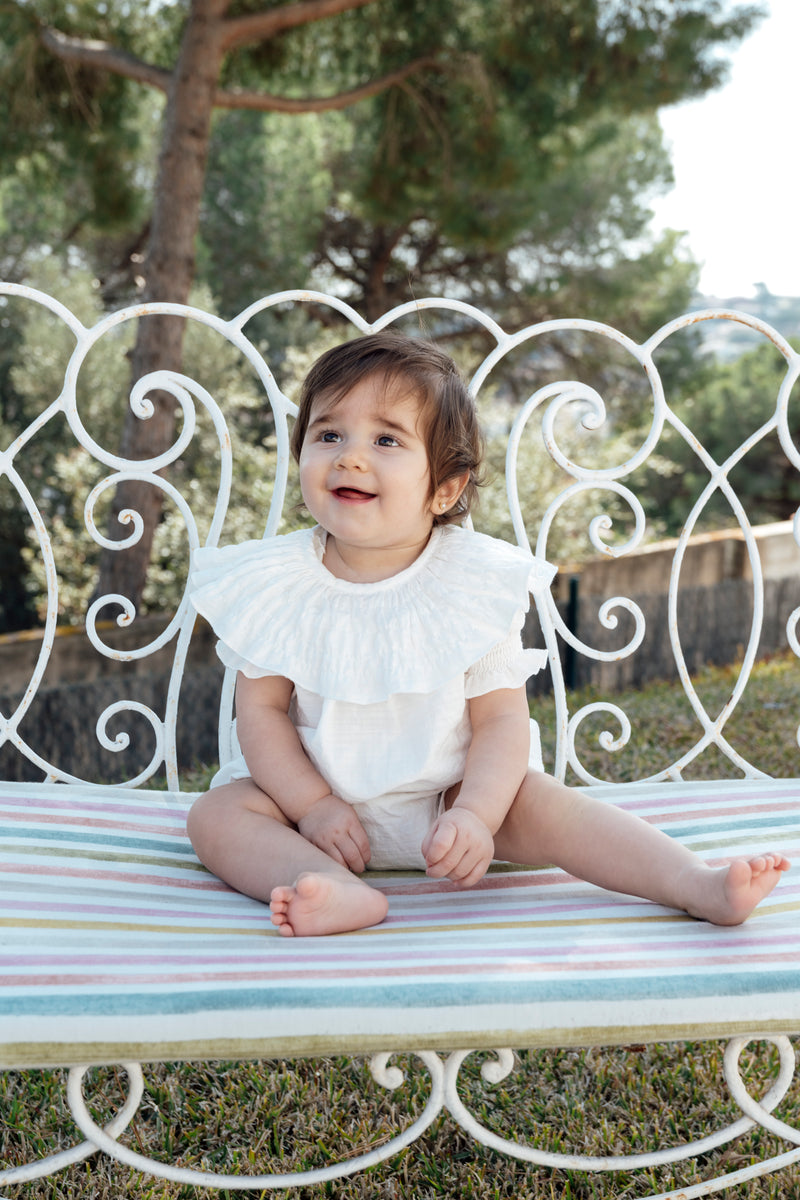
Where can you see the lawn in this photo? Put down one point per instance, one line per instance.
(275, 1116)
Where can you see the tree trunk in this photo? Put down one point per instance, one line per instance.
(169, 271)
(376, 284)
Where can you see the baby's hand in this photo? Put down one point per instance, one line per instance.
(332, 825)
(458, 846)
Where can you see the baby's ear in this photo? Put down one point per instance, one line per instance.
(447, 493)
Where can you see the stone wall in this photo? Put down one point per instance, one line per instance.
(79, 684)
(714, 610)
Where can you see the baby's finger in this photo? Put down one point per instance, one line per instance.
(472, 876)
(333, 851)
(449, 866)
(355, 859)
(460, 862)
(360, 840)
(438, 843)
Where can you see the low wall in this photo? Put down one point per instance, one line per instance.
(713, 625)
(714, 610)
(709, 558)
(62, 721)
(79, 684)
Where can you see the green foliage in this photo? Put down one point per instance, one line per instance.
(267, 186)
(729, 403)
(514, 168)
(521, 91)
(520, 152)
(70, 129)
(572, 241)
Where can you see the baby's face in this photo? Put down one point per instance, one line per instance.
(364, 471)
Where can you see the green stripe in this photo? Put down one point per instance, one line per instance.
(110, 856)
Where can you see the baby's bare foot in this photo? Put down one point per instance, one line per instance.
(318, 903)
(731, 893)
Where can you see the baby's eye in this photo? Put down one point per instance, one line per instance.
(329, 435)
(386, 439)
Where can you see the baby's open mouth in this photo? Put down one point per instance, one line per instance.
(348, 493)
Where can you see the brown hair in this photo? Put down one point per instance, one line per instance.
(452, 433)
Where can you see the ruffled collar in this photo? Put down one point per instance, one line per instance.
(319, 542)
(276, 605)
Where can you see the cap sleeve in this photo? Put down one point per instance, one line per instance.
(507, 665)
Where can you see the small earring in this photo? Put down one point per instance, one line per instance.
(443, 505)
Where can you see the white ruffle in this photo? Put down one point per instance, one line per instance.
(277, 610)
(511, 672)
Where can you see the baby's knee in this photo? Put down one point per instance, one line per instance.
(203, 818)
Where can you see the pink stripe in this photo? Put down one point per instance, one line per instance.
(532, 912)
(60, 871)
(489, 883)
(177, 831)
(584, 907)
(707, 814)
(85, 803)
(122, 910)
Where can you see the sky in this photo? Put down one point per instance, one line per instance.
(736, 159)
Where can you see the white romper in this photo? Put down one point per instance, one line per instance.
(382, 672)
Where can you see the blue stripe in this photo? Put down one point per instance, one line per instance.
(392, 994)
(35, 834)
(709, 828)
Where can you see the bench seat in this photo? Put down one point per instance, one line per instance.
(118, 944)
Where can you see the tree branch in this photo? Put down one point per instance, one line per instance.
(256, 27)
(104, 57)
(266, 102)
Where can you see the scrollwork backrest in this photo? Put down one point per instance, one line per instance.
(565, 469)
(191, 398)
(589, 475)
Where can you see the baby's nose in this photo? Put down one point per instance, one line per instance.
(351, 454)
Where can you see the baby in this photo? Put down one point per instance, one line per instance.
(381, 706)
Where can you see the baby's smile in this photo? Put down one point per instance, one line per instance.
(353, 495)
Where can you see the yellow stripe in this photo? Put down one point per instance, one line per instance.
(34, 923)
(59, 852)
(534, 926)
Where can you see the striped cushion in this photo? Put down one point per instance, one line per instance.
(116, 943)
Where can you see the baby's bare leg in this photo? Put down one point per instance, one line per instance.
(241, 835)
(594, 840)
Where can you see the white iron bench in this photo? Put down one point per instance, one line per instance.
(118, 947)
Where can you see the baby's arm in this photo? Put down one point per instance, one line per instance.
(460, 843)
(280, 766)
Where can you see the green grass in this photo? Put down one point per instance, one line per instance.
(257, 1117)
(277, 1116)
(762, 727)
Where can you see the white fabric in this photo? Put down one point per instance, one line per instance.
(382, 671)
(396, 823)
(275, 605)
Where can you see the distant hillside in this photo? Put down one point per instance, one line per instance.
(727, 340)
